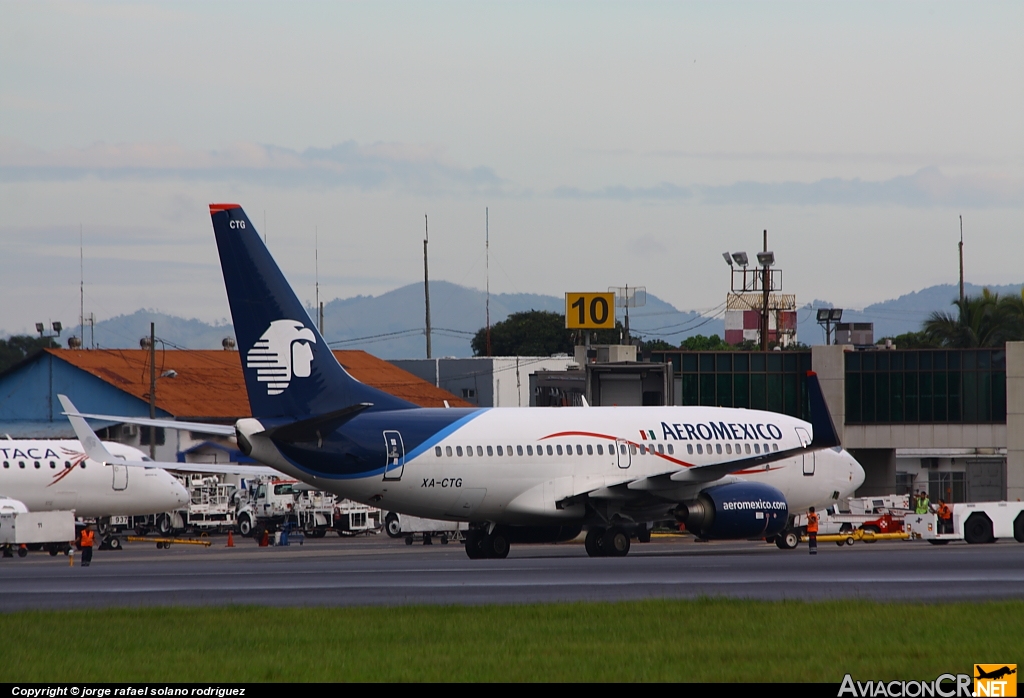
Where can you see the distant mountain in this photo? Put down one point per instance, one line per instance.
(391, 325)
(125, 331)
(894, 317)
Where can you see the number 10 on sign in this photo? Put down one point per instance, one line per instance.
(590, 311)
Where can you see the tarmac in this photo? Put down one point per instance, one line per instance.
(376, 570)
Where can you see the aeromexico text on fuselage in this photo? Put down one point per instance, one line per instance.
(718, 431)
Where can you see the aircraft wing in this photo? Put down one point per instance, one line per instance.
(96, 451)
(198, 427)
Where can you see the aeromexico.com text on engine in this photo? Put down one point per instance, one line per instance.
(757, 505)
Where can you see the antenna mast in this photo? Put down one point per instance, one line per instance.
(961, 263)
(81, 285)
(316, 276)
(487, 249)
(426, 279)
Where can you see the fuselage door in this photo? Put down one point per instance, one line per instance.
(622, 453)
(120, 476)
(805, 441)
(395, 450)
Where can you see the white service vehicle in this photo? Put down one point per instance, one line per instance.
(405, 526)
(274, 502)
(974, 522)
(54, 530)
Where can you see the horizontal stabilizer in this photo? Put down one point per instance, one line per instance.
(198, 427)
(315, 428)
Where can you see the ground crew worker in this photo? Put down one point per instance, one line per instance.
(945, 517)
(923, 505)
(812, 531)
(86, 540)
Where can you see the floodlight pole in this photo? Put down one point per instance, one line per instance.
(152, 388)
(765, 275)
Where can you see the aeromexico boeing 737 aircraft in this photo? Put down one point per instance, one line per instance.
(516, 474)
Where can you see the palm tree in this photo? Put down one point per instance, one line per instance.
(974, 325)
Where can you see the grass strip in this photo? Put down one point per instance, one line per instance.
(656, 640)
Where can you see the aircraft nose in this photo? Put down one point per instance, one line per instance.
(856, 473)
(180, 493)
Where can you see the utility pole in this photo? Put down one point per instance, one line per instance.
(764, 304)
(487, 248)
(961, 263)
(152, 388)
(426, 279)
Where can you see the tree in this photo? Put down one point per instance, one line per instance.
(18, 347)
(530, 333)
(911, 340)
(699, 342)
(980, 321)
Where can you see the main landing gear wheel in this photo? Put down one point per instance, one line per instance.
(616, 543)
(480, 545)
(594, 542)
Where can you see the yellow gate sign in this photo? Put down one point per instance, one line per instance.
(590, 311)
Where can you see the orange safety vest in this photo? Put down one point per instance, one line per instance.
(87, 538)
(945, 512)
(812, 523)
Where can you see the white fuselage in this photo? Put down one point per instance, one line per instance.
(525, 465)
(51, 475)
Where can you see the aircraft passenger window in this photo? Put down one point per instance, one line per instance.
(775, 447)
(480, 451)
(508, 450)
(499, 451)
(53, 466)
(558, 449)
(590, 449)
(661, 449)
(519, 450)
(728, 449)
(700, 450)
(21, 464)
(709, 449)
(83, 465)
(67, 464)
(600, 450)
(37, 465)
(529, 450)
(437, 451)
(632, 449)
(490, 451)
(579, 450)
(448, 451)
(550, 451)
(622, 449)
(757, 448)
(6, 464)
(689, 449)
(748, 448)
(718, 449)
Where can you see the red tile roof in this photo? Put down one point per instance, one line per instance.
(209, 383)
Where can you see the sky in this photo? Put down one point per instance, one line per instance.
(609, 144)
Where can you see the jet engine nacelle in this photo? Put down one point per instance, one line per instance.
(737, 510)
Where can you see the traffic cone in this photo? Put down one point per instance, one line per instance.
(231, 539)
(266, 539)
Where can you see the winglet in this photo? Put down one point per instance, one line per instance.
(94, 448)
(825, 434)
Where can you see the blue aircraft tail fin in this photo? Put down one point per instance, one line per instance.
(825, 434)
(289, 369)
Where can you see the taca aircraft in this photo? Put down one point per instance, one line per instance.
(51, 475)
(516, 474)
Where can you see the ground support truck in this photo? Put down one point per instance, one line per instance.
(411, 527)
(49, 530)
(974, 522)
